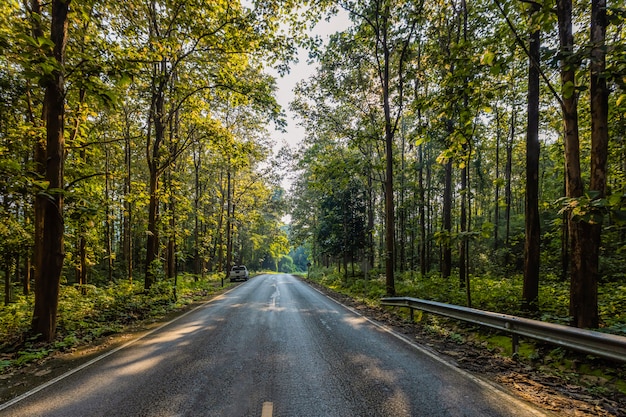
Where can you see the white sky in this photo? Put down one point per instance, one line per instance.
(302, 71)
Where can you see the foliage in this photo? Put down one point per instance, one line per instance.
(491, 293)
(88, 314)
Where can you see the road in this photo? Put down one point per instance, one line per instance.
(272, 346)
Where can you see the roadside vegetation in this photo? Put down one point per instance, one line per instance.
(500, 295)
(89, 313)
(492, 293)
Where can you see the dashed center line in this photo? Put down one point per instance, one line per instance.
(268, 409)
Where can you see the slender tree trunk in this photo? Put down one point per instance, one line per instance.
(127, 251)
(429, 211)
(51, 254)
(402, 210)
(530, 291)
(229, 222)
(7, 279)
(152, 241)
(109, 226)
(389, 151)
(27, 275)
(496, 216)
(153, 148)
(583, 291)
(422, 213)
(599, 153)
(219, 246)
(446, 264)
(463, 220)
(196, 209)
(507, 178)
(171, 240)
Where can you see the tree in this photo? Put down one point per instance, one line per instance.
(49, 249)
(530, 291)
(584, 226)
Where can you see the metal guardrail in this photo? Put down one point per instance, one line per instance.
(604, 345)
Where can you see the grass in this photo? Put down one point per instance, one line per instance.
(86, 315)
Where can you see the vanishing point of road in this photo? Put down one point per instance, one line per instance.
(270, 347)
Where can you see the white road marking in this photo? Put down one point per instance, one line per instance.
(268, 409)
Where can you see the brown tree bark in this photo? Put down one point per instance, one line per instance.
(446, 262)
(583, 291)
(588, 316)
(530, 291)
(127, 252)
(50, 203)
(422, 213)
(390, 239)
(153, 148)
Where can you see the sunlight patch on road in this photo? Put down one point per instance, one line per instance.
(356, 321)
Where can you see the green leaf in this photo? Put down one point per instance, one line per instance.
(568, 89)
(487, 58)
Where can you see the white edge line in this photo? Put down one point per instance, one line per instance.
(484, 383)
(104, 355)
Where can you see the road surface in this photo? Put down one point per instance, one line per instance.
(270, 347)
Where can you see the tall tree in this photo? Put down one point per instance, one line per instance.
(599, 93)
(530, 291)
(393, 30)
(584, 225)
(50, 248)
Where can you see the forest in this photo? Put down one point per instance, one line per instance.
(444, 140)
(449, 141)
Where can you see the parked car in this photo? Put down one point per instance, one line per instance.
(239, 273)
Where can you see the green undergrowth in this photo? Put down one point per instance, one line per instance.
(501, 295)
(86, 314)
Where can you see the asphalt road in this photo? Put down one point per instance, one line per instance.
(272, 346)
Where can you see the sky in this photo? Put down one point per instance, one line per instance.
(301, 71)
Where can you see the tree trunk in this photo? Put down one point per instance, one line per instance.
(599, 154)
(496, 215)
(157, 114)
(197, 268)
(27, 275)
(463, 220)
(530, 291)
(583, 291)
(127, 251)
(7, 279)
(51, 253)
(507, 178)
(402, 210)
(108, 221)
(229, 222)
(152, 241)
(422, 213)
(389, 137)
(446, 262)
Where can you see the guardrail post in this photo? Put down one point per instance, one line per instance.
(514, 338)
(411, 313)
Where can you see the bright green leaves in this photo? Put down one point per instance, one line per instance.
(487, 58)
(591, 209)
